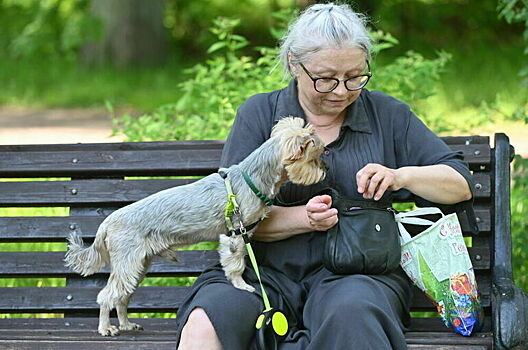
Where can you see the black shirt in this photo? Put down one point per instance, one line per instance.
(377, 129)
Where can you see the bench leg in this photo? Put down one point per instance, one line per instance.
(510, 317)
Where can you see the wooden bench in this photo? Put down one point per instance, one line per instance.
(92, 180)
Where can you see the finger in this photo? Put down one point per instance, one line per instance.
(382, 188)
(373, 185)
(319, 203)
(363, 176)
(321, 216)
(325, 224)
(326, 199)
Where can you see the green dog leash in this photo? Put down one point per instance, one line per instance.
(271, 323)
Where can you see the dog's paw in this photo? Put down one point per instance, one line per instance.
(131, 326)
(240, 284)
(111, 331)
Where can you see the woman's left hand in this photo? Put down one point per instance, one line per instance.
(374, 179)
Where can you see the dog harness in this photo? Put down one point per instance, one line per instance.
(266, 335)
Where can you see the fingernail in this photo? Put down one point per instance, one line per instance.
(360, 189)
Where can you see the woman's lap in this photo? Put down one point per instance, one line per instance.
(353, 311)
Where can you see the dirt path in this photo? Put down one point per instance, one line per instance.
(72, 125)
(94, 125)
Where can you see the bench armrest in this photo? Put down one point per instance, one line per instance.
(510, 315)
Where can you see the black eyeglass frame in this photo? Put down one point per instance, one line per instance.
(368, 75)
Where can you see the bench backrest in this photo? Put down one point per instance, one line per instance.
(89, 181)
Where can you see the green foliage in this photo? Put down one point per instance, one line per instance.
(216, 88)
(411, 78)
(35, 28)
(519, 221)
(516, 11)
(209, 98)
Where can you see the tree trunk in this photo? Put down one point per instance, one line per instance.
(132, 33)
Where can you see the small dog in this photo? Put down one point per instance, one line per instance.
(129, 237)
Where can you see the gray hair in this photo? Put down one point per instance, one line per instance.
(323, 26)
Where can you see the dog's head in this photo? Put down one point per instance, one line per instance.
(300, 151)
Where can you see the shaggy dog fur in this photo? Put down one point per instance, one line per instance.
(130, 237)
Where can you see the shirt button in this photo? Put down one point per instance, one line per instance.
(326, 152)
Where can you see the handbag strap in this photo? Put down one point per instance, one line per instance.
(340, 203)
(346, 204)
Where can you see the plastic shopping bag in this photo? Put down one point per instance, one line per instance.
(437, 261)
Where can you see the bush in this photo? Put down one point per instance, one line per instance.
(217, 87)
(519, 221)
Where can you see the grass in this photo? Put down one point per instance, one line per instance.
(65, 83)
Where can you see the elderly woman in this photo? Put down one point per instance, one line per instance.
(374, 146)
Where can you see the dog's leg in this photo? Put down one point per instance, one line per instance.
(104, 300)
(122, 315)
(122, 304)
(232, 253)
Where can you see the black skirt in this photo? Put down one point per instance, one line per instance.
(324, 310)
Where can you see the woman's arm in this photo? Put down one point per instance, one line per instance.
(436, 183)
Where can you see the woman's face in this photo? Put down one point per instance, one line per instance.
(329, 63)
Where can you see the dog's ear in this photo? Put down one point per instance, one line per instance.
(297, 147)
(291, 124)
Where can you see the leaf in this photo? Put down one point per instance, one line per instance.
(216, 46)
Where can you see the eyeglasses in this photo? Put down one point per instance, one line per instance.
(330, 84)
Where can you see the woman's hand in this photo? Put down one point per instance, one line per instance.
(321, 215)
(374, 179)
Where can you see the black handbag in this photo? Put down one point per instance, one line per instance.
(365, 240)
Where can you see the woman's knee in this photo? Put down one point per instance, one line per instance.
(199, 328)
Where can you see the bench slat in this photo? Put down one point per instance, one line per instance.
(56, 229)
(162, 329)
(466, 140)
(94, 343)
(65, 193)
(113, 192)
(138, 146)
(428, 324)
(153, 335)
(154, 158)
(99, 163)
(474, 155)
(111, 344)
(55, 299)
(51, 264)
(145, 299)
(193, 262)
(47, 228)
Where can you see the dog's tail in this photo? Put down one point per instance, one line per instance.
(87, 260)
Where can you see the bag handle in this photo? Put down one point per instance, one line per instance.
(419, 212)
(409, 217)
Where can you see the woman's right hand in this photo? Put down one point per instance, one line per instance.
(320, 213)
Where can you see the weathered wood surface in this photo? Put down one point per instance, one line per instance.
(94, 192)
(193, 262)
(73, 332)
(145, 299)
